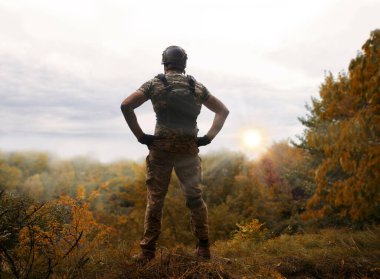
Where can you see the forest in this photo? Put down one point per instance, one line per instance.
(307, 208)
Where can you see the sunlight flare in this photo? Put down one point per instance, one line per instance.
(252, 138)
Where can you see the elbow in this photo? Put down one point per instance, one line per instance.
(225, 112)
(125, 107)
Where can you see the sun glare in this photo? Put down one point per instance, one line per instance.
(252, 138)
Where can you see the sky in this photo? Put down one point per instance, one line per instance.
(65, 67)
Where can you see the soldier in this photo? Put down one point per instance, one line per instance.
(177, 100)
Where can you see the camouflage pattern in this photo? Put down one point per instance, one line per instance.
(159, 168)
(174, 148)
(178, 139)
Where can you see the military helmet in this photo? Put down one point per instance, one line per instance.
(175, 56)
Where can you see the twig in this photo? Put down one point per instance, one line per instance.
(31, 251)
(11, 261)
(2, 213)
(74, 245)
(29, 216)
(50, 269)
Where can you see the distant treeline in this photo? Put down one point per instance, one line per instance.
(273, 189)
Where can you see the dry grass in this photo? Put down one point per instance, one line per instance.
(327, 254)
(183, 265)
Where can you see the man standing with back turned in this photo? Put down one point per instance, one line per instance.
(177, 100)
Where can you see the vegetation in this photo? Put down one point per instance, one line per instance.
(309, 210)
(343, 136)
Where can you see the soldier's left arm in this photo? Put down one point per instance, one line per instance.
(221, 113)
(132, 102)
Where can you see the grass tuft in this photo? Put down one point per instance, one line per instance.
(327, 254)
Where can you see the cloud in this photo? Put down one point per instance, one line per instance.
(330, 41)
(40, 105)
(45, 98)
(66, 66)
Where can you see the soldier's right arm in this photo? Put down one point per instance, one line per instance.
(132, 102)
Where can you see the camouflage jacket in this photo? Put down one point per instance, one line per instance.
(175, 135)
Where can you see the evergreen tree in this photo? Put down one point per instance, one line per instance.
(343, 135)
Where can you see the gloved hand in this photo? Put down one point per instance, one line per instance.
(146, 139)
(202, 141)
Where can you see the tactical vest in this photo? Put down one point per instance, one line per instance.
(180, 109)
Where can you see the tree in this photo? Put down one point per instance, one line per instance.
(343, 135)
(39, 239)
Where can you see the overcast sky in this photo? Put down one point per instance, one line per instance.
(65, 66)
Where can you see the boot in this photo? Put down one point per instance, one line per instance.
(203, 250)
(144, 257)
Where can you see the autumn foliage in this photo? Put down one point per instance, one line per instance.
(343, 135)
(39, 239)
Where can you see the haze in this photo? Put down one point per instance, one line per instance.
(65, 66)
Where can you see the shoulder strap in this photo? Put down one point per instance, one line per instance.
(191, 80)
(162, 77)
(168, 87)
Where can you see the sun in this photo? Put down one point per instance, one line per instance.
(252, 138)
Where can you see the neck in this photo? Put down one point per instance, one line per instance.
(172, 71)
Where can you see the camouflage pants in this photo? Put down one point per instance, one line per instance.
(159, 168)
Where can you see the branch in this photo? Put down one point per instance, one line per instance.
(74, 245)
(51, 266)
(50, 269)
(11, 261)
(33, 213)
(31, 251)
(2, 213)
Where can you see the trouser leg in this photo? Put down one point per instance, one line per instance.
(159, 170)
(188, 170)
